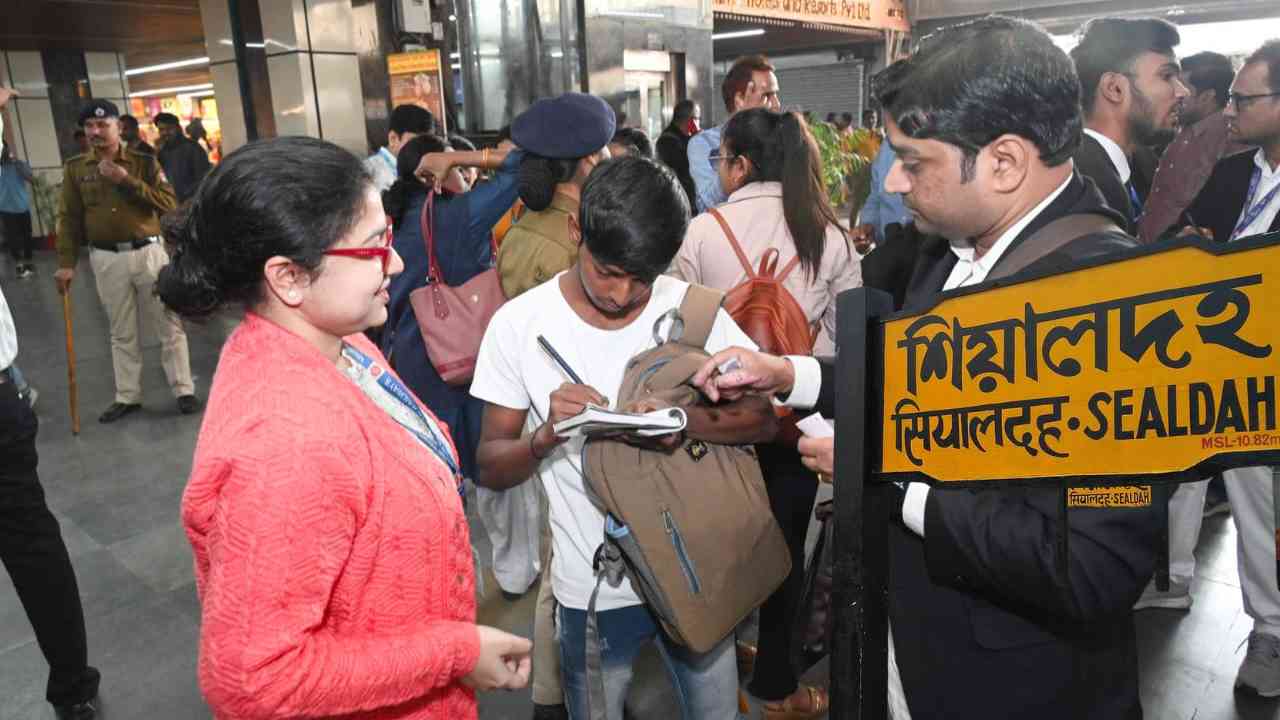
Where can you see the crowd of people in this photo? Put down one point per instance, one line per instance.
(325, 506)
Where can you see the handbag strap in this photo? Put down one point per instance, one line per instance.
(742, 256)
(427, 225)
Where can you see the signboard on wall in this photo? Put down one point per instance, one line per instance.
(875, 14)
(416, 80)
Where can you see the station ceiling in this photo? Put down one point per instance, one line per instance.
(146, 32)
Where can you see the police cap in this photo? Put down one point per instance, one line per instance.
(572, 125)
(99, 109)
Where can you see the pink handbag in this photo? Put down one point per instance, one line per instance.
(453, 319)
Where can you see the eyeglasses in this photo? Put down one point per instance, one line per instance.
(382, 251)
(714, 159)
(1243, 101)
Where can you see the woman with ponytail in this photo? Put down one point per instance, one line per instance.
(564, 139)
(462, 235)
(332, 557)
(769, 165)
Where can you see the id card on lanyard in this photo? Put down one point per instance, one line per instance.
(428, 435)
(1251, 209)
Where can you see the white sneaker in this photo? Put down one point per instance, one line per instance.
(1260, 671)
(1177, 597)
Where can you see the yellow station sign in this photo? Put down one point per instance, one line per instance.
(1145, 366)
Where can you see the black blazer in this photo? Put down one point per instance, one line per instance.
(1093, 162)
(1221, 202)
(982, 624)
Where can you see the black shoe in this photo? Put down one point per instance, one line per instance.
(550, 712)
(116, 411)
(188, 404)
(79, 711)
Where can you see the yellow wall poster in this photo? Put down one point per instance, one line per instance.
(416, 80)
(1147, 365)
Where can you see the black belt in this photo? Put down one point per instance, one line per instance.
(128, 246)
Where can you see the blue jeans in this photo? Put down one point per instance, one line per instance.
(706, 685)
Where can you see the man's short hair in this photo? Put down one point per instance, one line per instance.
(1269, 53)
(634, 215)
(683, 110)
(968, 84)
(165, 118)
(412, 119)
(636, 139)
(1209, 71)
(1113, 44)
(129, 121)
(740, 74)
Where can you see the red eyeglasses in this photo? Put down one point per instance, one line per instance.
(383, 251)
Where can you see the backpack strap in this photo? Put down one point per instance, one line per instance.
(698, 310)
(786, 270)
(733, 240)
(1049, 239)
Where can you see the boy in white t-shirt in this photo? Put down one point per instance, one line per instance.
(598, 315)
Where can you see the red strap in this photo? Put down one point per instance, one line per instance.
(790, 266)
(733, 240)
(427, 223)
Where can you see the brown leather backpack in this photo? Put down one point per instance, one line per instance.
(765, 310)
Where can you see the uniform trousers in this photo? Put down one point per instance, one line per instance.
(35, 556)
(126, 286)
(1250, 492)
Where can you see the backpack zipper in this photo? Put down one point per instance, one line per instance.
(682, 556)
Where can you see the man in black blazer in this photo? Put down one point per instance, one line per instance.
(1253, 118)
(985, 122)
(1131, 94)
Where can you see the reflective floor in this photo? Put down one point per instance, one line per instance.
(116, 490)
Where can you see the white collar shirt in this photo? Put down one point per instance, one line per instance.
(1268, 179)
(970, 270)
(1114, 153)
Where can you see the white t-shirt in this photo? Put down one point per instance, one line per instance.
(382, 166)
(512, 371)
(8, 335)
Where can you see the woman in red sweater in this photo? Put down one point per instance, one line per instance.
(332, 555)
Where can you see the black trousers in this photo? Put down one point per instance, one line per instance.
(32, 550)
(792, 488)
(17, 234)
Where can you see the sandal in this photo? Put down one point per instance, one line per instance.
(819, 704)
(746, 659)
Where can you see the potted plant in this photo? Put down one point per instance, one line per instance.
(846, 163)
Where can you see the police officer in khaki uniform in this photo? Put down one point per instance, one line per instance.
(564, 138)
(113, 198)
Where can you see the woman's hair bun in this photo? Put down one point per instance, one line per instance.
(188, 285)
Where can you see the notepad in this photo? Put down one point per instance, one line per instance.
(596, 420)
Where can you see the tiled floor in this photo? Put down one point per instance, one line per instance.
(116, 490)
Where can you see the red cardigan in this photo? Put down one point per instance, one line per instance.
(332, 555)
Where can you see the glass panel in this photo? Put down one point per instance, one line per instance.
(512, 52)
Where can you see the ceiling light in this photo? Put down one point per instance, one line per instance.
(167, 66)
(202, 93)
(739, 34)
(632, 14)
(180, 90)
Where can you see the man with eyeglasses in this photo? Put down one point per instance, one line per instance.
(750, 83)
(1241, 199)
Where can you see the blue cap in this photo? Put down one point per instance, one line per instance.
(99, 109)
(570, 126)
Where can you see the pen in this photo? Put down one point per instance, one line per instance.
(560, 361)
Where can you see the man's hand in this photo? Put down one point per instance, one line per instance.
(818, 454)
(566, 401)
(108, 169)
(863, 237)
(756, 372)
(503, 663)
(7, 94)
(1203, 232)
(63, 277)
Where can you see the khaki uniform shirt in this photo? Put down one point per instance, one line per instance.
(538, 247)
(105, 214)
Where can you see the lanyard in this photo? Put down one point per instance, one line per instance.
(1252, 211)
(397, 390)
